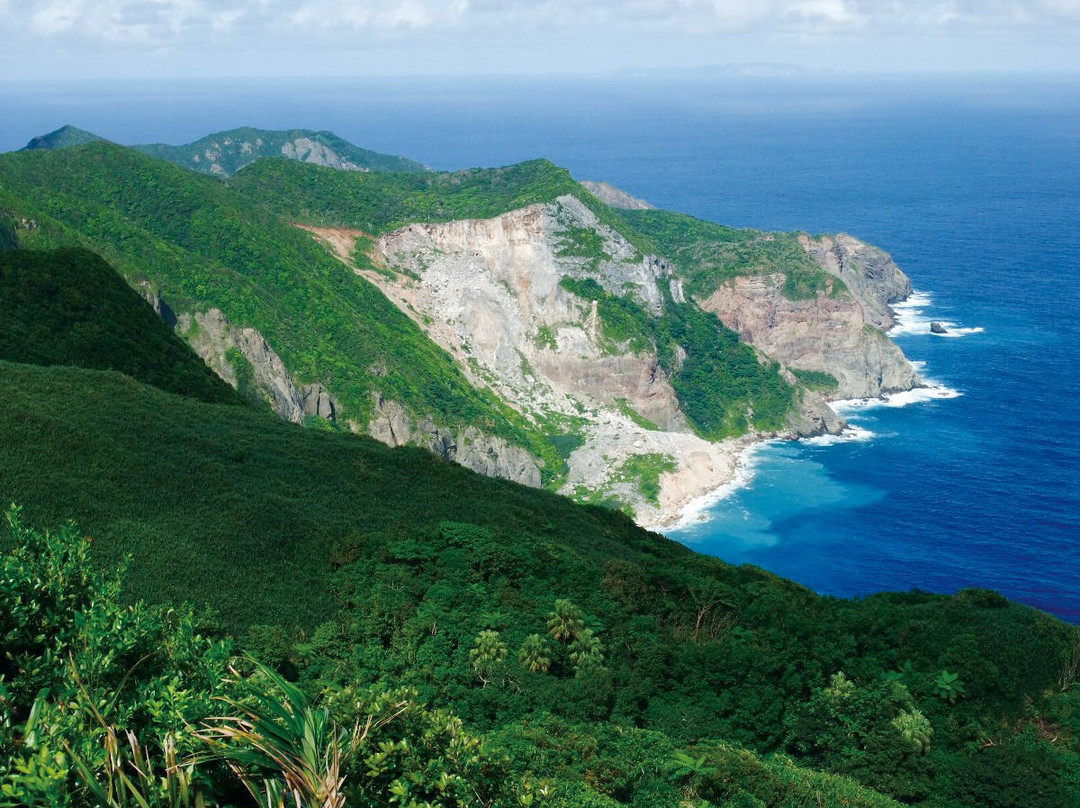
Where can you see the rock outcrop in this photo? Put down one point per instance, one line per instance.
(828, 333)
(868, 272)
(615, 197)
(242, 355)
(392, 424)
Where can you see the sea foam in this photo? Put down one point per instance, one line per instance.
(904, 398)
(697, 509)
(850, 434)
(911, 318)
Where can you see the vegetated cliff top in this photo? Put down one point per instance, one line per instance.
(225, 153)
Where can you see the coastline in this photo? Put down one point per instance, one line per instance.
(690, 507)
(693, 506)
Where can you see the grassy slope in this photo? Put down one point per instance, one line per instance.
(206, 246)
(232, 156)
(69, 307)
(404, 559)
(710, 254)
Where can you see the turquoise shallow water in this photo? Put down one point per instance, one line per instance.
(973, 186)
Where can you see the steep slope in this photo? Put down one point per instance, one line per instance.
(396, 563)
(225, 153)
(69, 307)
(818, 306)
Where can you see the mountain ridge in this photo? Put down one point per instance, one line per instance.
(231, 263)
(224, 153)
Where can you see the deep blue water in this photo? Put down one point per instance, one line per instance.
(972, 185)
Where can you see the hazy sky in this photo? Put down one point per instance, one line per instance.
(105, 38)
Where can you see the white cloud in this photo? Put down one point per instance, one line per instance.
(658, 30)
(55, 17)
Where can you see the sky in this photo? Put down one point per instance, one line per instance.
(90, 39)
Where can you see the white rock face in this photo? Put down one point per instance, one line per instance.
(491, 291)
(307, 150)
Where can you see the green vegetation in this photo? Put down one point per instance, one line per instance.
(237, 148)
(645, 470)
(70, 308)
(722, 386)
(545, 338)
(710, 254)
(816, 380)
(582, 242)
(635, 416)
(348, 566)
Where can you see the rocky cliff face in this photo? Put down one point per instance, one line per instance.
(244, 359)
(392, 424)
(869, 272)
(489, 291)
(831, 332)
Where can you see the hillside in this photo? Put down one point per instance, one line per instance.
(69, 307)
(362, 563)
(503, 318)
(225, 153)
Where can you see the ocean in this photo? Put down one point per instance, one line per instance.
(972, 184)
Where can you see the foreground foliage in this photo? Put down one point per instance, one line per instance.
(89, 722)
(346, 566)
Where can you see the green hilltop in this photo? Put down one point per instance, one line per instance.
(225, 153)
(62, 138)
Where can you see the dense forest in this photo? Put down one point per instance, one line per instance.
(247, 612)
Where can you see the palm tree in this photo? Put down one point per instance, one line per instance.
(915, 728)
(535, 654)
(586, 652)
(488, 650)
(566, 622)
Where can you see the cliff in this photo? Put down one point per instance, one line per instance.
(504, 319)
(497, 295)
